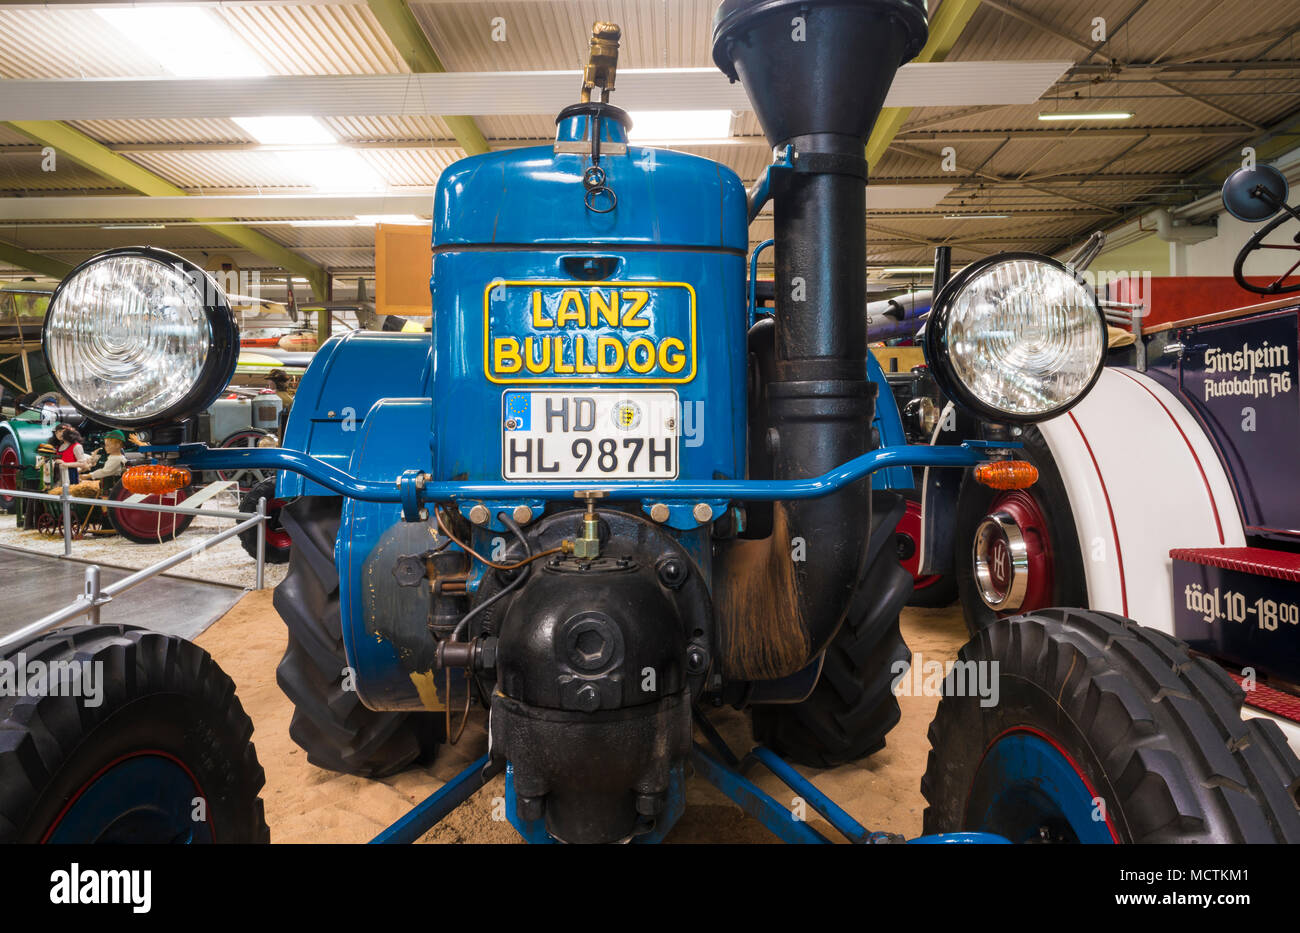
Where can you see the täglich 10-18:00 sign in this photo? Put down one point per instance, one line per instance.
(614, 332)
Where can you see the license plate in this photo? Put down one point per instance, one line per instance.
(597, 434)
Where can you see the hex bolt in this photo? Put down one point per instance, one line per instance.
(523, 514)
(659, 512)
(649, 804)
(672, 572)
(703, 512)
(587, 698)
(479, 514)
(528, 808)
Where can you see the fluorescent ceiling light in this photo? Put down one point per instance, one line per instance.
(371, 219)
(679, 125)
(133, 227)
(976, 216)
(189, 42)
(334, 170)
(285, 131)
(908, 270)
(1110, 115)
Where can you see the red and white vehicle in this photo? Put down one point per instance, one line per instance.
(1170, 493)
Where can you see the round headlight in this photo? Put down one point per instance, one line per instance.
(137, 337)
(1016, 337)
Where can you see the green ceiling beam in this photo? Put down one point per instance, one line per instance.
(397, 20)
(946, 27)
(97, 157)
(35, 263)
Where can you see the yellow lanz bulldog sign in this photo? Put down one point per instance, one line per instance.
(607, 332)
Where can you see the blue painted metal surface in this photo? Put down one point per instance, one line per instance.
(530, 288)
(346, 377)
(753, 800)
(808, 791)
(429, 812)
(1025, 782)
(394, 432)
(889, 424)
(753, 278)
(200, 457)
(148, 798)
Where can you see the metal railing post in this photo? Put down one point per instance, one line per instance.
(261, 539)
(92, 593)
(65, 495)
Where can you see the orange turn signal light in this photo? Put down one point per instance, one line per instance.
(155, 479)
(1006, 474)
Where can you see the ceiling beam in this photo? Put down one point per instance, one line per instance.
(34, 262)
(83, 150)
(926, 156)
(1206, 102)
(1037, 23)
(1119, 132)
(404, 31)
(946, 27)
(954, 84)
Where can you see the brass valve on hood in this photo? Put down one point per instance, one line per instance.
(603, 61)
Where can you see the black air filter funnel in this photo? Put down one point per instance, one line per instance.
(816, 72)
(817, 66)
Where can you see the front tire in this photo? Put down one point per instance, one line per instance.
(852, 707)
(329, 722)
(1103, 731)
(165, 731)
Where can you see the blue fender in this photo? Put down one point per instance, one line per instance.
(889, 422)
(347, 376)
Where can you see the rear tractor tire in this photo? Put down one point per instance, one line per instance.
(147, 743)
(1102, 731)
(853, 705)
(278, 541)
(330, 723)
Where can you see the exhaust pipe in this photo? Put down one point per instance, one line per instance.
(816, 73)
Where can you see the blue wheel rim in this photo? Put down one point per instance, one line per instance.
(149, 797)
(1025, 784)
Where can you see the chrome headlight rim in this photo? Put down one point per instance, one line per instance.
(935, 342)
(223, 341)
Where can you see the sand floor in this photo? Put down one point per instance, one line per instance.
(307, 804)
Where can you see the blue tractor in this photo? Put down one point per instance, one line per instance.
(599, 500)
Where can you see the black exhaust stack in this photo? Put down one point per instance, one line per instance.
(816, 73)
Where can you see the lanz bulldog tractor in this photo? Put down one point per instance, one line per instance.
(598, 503)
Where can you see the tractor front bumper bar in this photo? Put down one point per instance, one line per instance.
(413, 488)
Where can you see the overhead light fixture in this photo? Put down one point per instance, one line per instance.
(187, 41)
(286, 131)
(908, 270)
(410, 219)
(683, 125)
(133, 227)
(976, 216)
(335, 170)
(1056, 117)
(347, 222)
